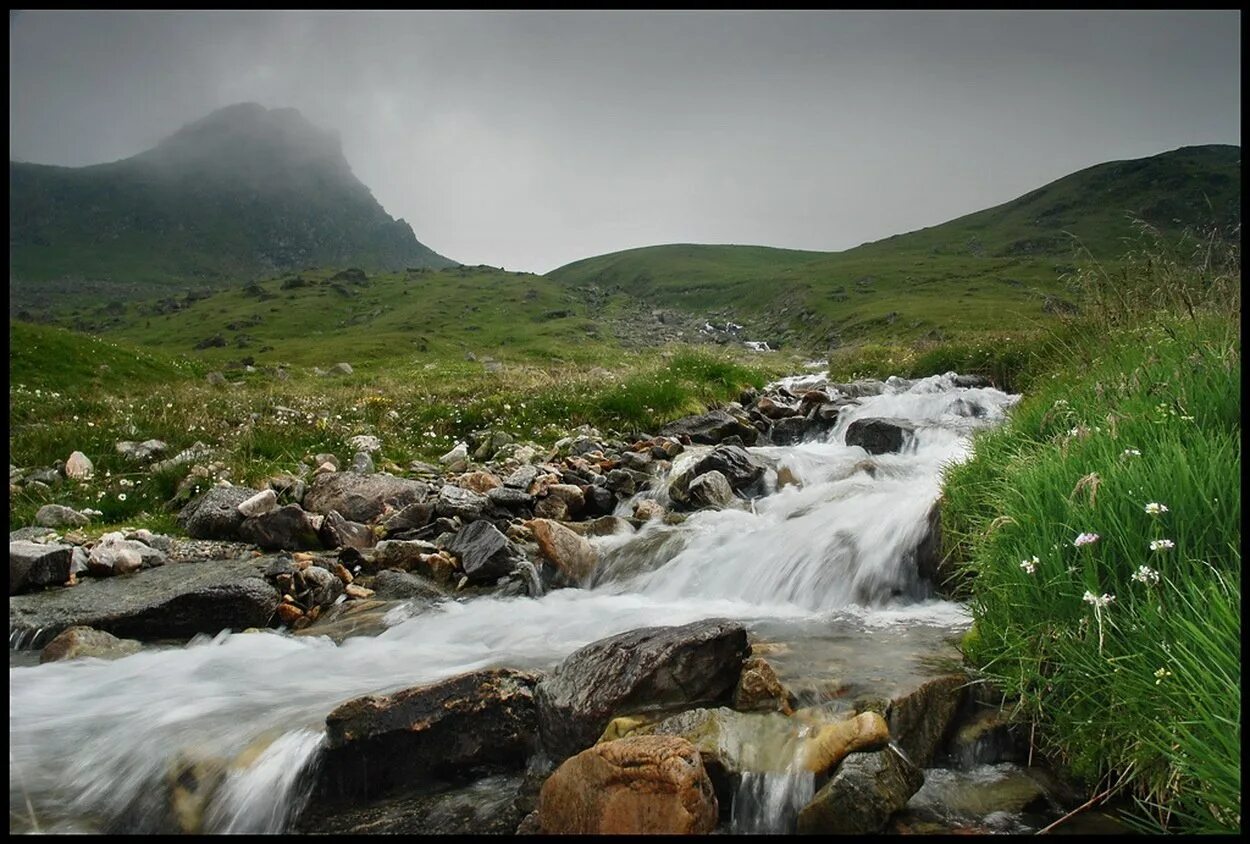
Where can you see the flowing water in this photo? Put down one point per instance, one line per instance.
(825, 562)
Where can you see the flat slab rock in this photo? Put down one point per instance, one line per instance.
(174, 601)
(488, 806)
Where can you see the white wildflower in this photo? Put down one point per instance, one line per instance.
(1162, 545)
(1085, 539)
(1145, 574)
(1030, 565)
(1097, 601)
(1154, 508)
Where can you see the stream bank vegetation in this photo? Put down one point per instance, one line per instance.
(1099, 537)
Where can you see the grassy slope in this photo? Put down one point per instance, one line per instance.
(942, 281)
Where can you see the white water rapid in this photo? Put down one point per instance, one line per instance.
(89, 738)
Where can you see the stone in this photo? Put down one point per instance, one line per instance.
(362, 498)
(79, 642)
(393, 584)
(488, 806)
(786, 476)
(711, 489)
(513, 499)
(775, 409)
(362, 463)
(485, 554)
(152, 540)
(788, 431)
(861, 795)
(522, 478)
(366, 443)
(920, 718)
(33, 565)
(832, 742)
(215, 514)
(880, 436)
(113, 554)
(734, 462)
(172, 601)
(322, 459)
(259, 504)
(288, 528)
(33, 533)
(637, 785)
(143, 452)
(648, 509)
(338, 532)
(759, 688)
(571, 555)
(693, 664)
(56, 515)
(216, 379)
(454, 501)
(481, 721)
(711, 428)
(341, 369)
(572, 496)
(456, 460)
(552, 507)
(411, 517)
(480, 482)
(321, 586)
(78, 466)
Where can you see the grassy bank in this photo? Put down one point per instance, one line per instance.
(1100, 532)
(261, 426)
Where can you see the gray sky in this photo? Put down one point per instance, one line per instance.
(531, 139)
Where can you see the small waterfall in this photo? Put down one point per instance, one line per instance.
(98, 743)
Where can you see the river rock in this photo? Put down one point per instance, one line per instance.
(485, 554)
(362, 498)
(879, 436)
(464, 503)
(362, 463)
(632, 672)
(259, 504)
(395, 585)
(153, 540)
(711, 428)
(113, 554)
(172, 601)
(143, 452)
(78, 466)
(648, 509)
(522, 478)
(33, 533)
(78, 642)
(920, 718)
(338, 532)
(413, 516)
(643, 785)
(35, 564)
(479, 482)
(215, 514)
(711, 489)
(832, 742)
(57, 515)
(788, 431)
(760, 689)
(774, 409)
(861, 795)
(321, 586)
(288, 528)
(513, 499)
(573, 557)
(485, 720)
(488, 806)
(734, 462)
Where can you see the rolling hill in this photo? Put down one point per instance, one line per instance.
(1003, 265)
(244, 193)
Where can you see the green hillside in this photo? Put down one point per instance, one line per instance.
(244, 193)
(1006, 263)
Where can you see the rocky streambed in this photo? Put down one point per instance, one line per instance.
(732, 625)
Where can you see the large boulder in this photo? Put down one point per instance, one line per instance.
(862, 794)
(215, 514)
(360, 497)
(571, 555)
(58, 515)
(395, 585)
(172, 601)
(642, 785)
(488, 806)
(338, 532)
(880, 436)
(711, 489)
(734, 462)
(635, 672)
(485, 720)
(923, 716)
(789, 431)
(485, 554)
(288, 528)
(36, 564)
(78, 642)
(712, 427)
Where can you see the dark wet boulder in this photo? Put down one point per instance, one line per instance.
(637, 671)
(488, 806)
(35, 564)
(485, 554)
(338, 532)
(485, 721)
(710, 489)
(861, 795)
(288, 528)
(510, 497)
(880, 436)
(172, 601)
(413, 516)
(320, 586)
(396, 585)
(971, 381)
(922, 717)
(215, 514)
(734, 462)
(788, 431)
(711, 428)
(362, 498)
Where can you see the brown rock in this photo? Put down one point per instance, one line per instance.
(641, 785)
(648, 509)
(354, 591)
(572, 555)
(481, 482)
(832, 742)
(78, 642)
(922, 717)
(759, 688)
(289, 613)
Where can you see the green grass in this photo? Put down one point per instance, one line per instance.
(1137, 403)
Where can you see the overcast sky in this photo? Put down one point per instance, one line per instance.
(531, 139)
